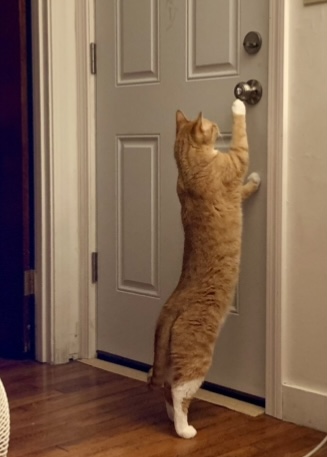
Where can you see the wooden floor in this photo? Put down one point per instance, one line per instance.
(78, 410)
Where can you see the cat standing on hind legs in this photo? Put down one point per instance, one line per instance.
(211, 189)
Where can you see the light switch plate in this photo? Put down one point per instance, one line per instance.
(313, 2)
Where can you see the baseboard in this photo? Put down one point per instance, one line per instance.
(205, 395)
(209, 386)
(305, 407)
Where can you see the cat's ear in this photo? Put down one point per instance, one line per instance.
(180, 119)
(199, 123)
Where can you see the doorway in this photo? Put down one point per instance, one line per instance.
(16, 182)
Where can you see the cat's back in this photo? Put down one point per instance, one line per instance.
(211, 205)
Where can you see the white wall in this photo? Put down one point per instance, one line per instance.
(305, 304)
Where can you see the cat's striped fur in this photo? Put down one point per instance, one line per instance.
(210, 188)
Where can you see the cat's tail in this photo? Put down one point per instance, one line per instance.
(156, 375)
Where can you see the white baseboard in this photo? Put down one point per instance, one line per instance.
(305, 407)
(210, 397)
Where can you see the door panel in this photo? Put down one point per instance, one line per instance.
(137, 42)
(217, 22)
(155, 57)
(137, 224)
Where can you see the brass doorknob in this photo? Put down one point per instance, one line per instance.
(249, 92)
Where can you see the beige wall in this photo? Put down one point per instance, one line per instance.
(305, 304)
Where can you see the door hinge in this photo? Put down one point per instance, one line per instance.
(28, 282)
(93, 58)
(94, 267)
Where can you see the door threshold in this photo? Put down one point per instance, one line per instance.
(203, 394)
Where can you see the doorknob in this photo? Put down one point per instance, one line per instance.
(249, 92)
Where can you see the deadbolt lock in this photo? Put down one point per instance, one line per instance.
(249, 92)
(252, 42)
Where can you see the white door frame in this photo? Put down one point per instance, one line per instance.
(65, 177)
(64, 135)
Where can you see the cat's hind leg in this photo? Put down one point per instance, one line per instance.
(182, 395)
(252, 184)
(168, 394)
(169, 401)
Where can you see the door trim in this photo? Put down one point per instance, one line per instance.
(57, 324)
(276, 176)
(41, 126)
(65, 178)
(85, 34)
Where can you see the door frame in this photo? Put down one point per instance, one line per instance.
(64, 179)
(66, 186)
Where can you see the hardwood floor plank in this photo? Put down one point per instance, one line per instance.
(76, 410)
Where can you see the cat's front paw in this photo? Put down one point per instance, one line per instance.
(255, 177)
(238, 107)
(187, 432)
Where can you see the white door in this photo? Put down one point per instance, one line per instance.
(153, 57)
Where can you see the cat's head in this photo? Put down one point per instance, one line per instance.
(194, 150)
(199, 132)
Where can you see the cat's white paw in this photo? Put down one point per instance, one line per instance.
(254, 177)
(238, 107)
(187, 432)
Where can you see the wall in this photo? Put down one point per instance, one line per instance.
(305, 304)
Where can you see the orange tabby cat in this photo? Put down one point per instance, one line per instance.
(210, 188)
